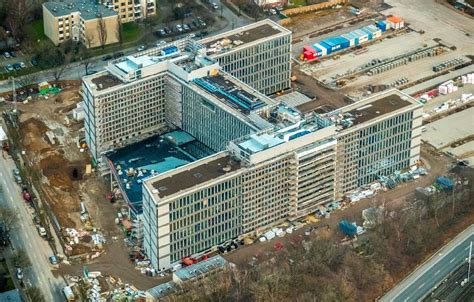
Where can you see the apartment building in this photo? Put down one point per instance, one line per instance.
(258, 54)
(82, 21)
(378, 136)
(132, 10)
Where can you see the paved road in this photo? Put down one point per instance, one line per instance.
(433, 271)
(24, 236)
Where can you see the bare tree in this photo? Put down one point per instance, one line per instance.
(4, 36)
(88, 38)
(8, 217)
(35, 294)
(20, 259)
(19, 14)
(102, 31)
(119, 30)
(59, 71)
(87, 63)
(28, 80)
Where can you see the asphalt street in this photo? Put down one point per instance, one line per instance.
(23, 235)
(423, 280)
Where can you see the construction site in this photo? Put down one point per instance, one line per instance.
(340, 55)
(69, 194)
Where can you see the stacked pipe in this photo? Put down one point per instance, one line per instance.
(448, 64)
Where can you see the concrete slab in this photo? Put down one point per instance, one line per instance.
(454, 127)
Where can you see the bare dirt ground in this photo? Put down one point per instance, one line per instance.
(51, 149)
(436, 165)
(327, 99)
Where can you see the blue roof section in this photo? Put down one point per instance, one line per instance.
(201, 268)
(333, 41)
(157, 154)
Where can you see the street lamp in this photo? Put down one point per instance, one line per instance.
(469, 261)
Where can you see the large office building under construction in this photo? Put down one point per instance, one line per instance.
(281, 173)
(270, 162)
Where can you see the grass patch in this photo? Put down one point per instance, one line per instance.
(35, 30)
(131, 32)
(9, 284)
(21, 72)
(297, 3)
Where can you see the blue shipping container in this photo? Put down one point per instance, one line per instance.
(320, 52)
(382, 25)
(337, 43)
(326, 46)
(368, 32)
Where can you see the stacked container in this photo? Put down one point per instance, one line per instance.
(335, 43)
(309, 53)
(383, 25)
(321, 50)
(352, 38)
(396, 22)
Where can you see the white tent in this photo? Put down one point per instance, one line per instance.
(3, 135)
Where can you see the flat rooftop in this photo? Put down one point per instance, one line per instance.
(242, 36)
(192, 175)
(233, 93)
(159, 154)
(201, 268)
(89, 9)
(104, 80)
(374, 107)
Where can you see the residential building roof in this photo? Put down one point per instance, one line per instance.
(89, 9)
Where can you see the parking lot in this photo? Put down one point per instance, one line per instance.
(453, 134)
(423, 31)
(14, 61)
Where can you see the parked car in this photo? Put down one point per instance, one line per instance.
(106, 57)
(161, 42)
(23, 65)
(16, 172)
(34, 61)
(196, 23)
(9, 67)
(90, 72)
(53, 260)
(19, 274)
(141, 48)
(215, 6)
(167, 30)
(186, 27)
(42, 231)
(117, 54)
(18, 179)
(179, 28)
(13, 54)
(17, 66)
(273, 11)
(162, 32)
(6, 54)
